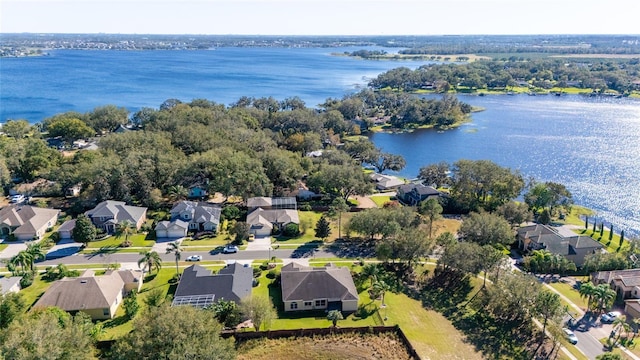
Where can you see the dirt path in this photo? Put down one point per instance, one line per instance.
(364, 202)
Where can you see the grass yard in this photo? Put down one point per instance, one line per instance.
(32, 293)
(444, 225)
(219, 240)
(380, 200)
(3, 246)
(137, 240)
(571, 293)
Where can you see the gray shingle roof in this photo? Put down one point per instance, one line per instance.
(72, 294)
(307, 283)
(234, 282)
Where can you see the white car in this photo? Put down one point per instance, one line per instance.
(570, 336)
(17, 199)
(194, 258)
(229, 249)
(610, 316)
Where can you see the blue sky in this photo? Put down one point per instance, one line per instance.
(315, 17)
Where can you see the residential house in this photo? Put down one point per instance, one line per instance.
(98, 296)
(108, 214)
(199, 216)
(10, 284)
(318, 288)
(413, 194)
(66, 229)
(574, 248)
(386, 182)
(269, 203)
(265, 222)
(27, 222)
(172, 229)
(626, 283)
(198, 192)
(199, 287)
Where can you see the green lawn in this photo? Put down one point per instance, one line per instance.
(380, 200)
(138, 240)
(571, 293)
(3, 246)
(219, 240)
(32, 293)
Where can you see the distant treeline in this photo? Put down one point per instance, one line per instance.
(618, 75)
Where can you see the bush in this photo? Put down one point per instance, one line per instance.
(127, 243)
(26, 280)
(305, 207)
(264, 266)
(55, 237)
(291, 230)
(272, 274)
(257, 272)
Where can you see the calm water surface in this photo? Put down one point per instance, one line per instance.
(591, 145)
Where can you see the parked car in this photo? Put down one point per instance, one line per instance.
(252, 237)
(610, 316)
(194, 258)
(229, 249)
(570, 336)
(17, 199)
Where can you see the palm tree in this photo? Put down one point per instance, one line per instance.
(124, 228)
(587, 290)
(380, 287)
(151, 260)
(334, 316)
(36, 252)
(603, 296)
(371, 271)
(24, 259)
(178, 192)
(175, 248)
(620, 325)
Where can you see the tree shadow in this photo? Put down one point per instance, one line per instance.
(352, 248)
(105, 250)
(306, 249)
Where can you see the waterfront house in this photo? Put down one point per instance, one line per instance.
(413, 194)
(544, 237)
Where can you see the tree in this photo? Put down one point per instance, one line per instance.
(155, 298)
(407, 245)
(545, 217)
(380, 288)
(16, 129)
(259, 309)
(48, 335)
(515, 213)
(36, 252)
(485, 228)
(548, 307)
(226, 312)
(241, 231)
(70, 129)
(334, 316)
(386, 161)
(603, 297)
(22, 259)
(337, 207)
(587, 290)
(432, 211)
(176, 249)
(371, 271)
(323, 229)
(124, 229)
(151, 260)
(107, 118)
(178, 192)
(12, 305)
(340, 180)
(490, 258)
(84, 232)
(130, 304)
(435, 175)
(181, 332)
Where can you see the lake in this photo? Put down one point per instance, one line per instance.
(592, 145)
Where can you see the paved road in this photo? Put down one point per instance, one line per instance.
(106, 258)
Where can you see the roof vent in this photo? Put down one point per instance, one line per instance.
(83, 281)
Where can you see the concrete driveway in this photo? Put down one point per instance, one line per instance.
(13, 248)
